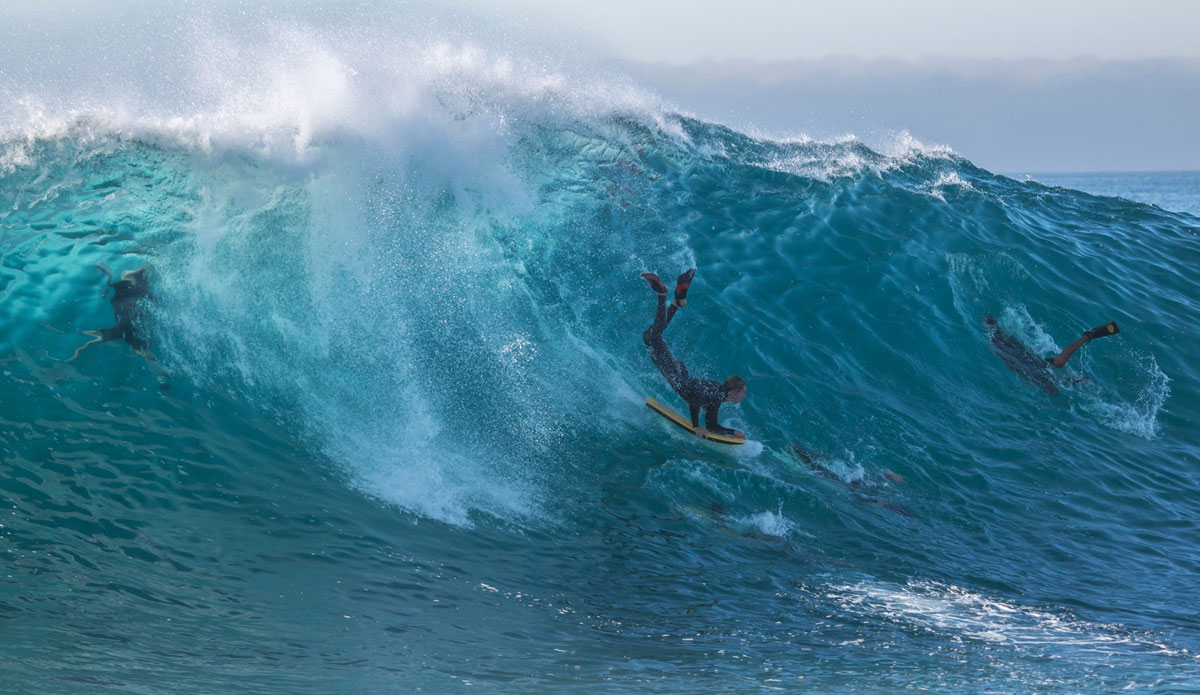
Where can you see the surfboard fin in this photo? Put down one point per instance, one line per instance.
(682, 283)
(656, 283)
(1104, 331)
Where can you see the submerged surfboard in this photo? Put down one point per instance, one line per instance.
(686, 424)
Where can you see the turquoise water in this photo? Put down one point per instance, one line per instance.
(1171, 190)
(404, 446)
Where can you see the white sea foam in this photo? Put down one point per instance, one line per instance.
(847, 471)
(848, 156)
(770, 523)
(902, 146)
(1137, 414)
(947, 180)
(422, 474)
(821, 166)
(964, 614)
(751, 449)
(1016, 319)
(283, 84)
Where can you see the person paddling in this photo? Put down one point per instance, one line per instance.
(1032, 367)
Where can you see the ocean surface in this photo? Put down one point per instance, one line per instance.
(1178, 191)
(393, 437)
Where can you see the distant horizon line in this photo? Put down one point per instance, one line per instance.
(1011, 174)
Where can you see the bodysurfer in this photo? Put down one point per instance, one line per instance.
(129, 297)
(700, 394)
(1036, 369)
(816, 463)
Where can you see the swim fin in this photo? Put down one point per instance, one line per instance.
(1104, 331)
(682, 283)
(656, 283)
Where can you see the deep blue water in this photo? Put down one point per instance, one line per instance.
(404, 448)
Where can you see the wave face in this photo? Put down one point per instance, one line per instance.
(398, 306)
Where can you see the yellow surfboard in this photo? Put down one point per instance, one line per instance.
(686, 424)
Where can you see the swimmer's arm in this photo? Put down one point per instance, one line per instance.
(107, 272)
(696, 428)
(710, 419)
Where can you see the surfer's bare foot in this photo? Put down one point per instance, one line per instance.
(682, 283)
(656, 283)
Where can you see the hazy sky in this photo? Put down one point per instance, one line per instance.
(684, 31)
(1014, 85)
(999, 81)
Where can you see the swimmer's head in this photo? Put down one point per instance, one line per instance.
(735, 389)
(141, 276)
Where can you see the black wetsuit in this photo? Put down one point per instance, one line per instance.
(1021, 360)
(128, 310)
(700, 394)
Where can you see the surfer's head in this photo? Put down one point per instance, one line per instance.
(735, 389)
(139, 278)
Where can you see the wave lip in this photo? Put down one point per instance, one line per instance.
(284, 86)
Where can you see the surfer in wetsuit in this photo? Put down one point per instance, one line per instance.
(700, 394)
(1036, 369)
(129, 297)
(129, 311)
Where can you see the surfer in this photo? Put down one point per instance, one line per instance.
(1036, 369)
(128, 303)
(700, 394)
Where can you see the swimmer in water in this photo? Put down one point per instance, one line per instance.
(1034, 368)
(129, 296)
(815, 463)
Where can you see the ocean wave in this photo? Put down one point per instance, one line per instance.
(397, 312)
